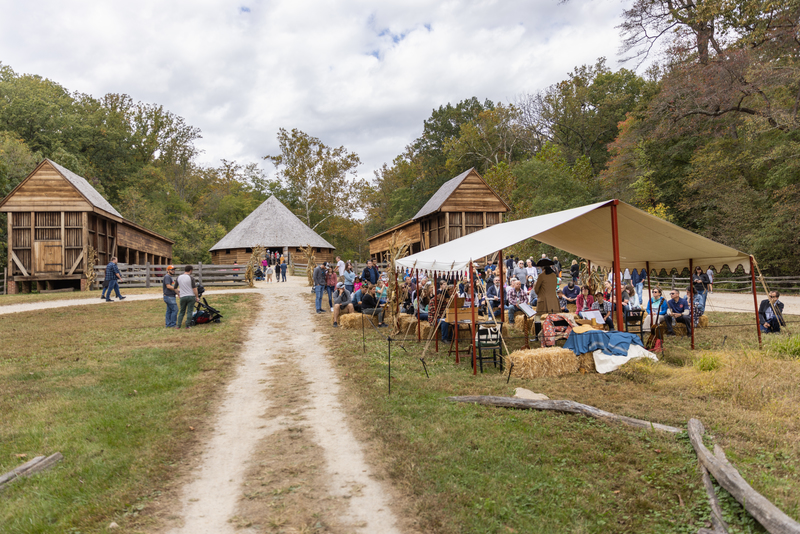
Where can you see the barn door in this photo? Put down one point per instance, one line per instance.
(48, 257)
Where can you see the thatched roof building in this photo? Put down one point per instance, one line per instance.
(273, 226)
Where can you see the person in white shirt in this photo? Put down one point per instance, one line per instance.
(340, 265)
(188, 294)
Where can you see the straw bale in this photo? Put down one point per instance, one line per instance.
(544, 362)
(353, 321)
(680, 329)
(586, 362)
(703, 321)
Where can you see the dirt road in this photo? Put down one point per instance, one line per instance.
(281, 431)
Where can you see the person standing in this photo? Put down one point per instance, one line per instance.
(331, 279)
(283, 269)
(187, 290)
(370, 273)
(113, 277)
(349, 278)
(319, 285)
(575, 271)
(168, 284)
(710, 275)
(340, 265)
(700, 282)
(545, 288)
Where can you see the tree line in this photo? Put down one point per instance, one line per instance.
(705, 137)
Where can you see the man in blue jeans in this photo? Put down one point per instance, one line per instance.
(319, 284)
(168, 283)
(112, 280)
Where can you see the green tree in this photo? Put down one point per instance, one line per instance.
(321, 180)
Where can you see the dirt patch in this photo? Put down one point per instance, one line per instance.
(287, 489)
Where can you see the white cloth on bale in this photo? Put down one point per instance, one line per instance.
(605, 363)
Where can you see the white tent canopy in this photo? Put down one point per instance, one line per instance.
(587, 233)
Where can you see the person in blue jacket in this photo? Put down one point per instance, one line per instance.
(658, 307)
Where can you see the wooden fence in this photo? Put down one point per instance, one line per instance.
(151, 275)
(732, 284)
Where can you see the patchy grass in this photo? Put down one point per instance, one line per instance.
(29, 298)
(121, 397)
(481, 469)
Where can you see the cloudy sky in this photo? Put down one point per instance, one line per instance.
(355, 73)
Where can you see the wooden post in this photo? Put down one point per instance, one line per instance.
(5, 281)
(649, 295)
(64, 267)
(85, 233)
(419, 304)
(446, 226)
(755, 298)
(200, 272)
(463, 223)
(691, 292)
(502, 286)
(147, 274)
(615, 243)
(10, 244)
(474, 330)
(32, 270)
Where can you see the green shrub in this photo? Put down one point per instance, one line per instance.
(707, 362)
(785, 348)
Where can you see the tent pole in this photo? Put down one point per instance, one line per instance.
(755, 299)
(472, 299)
(502, 288)
(649, 294)
(615, 242)
(435, 310)
(691, 292)
(455, 319)
(419, 304)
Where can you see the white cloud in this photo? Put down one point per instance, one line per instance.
(355, 73)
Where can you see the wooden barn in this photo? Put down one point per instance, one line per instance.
(463, 205)
(274, 226)
(53, 217)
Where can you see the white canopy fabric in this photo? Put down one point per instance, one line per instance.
(586, 232)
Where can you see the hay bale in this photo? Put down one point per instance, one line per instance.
(352, 321)
(703, 321)
(680, 330)
(586, 362)
(544, 362)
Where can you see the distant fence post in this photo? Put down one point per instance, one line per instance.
(673, 281)
(5, 280)
(200, 272)
(147, 274)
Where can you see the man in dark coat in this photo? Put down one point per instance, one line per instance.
(370, 273)
(770, 322)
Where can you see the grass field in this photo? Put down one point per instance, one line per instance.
(466, 468)
(29, 298)
(120, 396)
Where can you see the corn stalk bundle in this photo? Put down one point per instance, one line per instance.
(594, 279)
(253, 263)
(311, 261)
(91, 261)
(397, 249)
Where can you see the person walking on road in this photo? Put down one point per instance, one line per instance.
(113, 277)
(188, 294)
(320, 282)
(169, 285)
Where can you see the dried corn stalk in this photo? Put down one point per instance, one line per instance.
(253, 263)
(91, 261)
(311, 262)
(397, 249)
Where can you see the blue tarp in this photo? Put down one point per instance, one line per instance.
(614, 343)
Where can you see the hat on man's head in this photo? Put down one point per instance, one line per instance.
(340, 285)
(170, 267)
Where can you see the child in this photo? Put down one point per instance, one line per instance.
(269, 273)
(562, 301)
(356, 284)
(605, 307)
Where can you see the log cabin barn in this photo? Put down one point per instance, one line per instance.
(53, 217)
(273, 226)
(461, 206)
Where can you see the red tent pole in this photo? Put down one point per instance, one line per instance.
(649, 295)
(419, 303)
(615, 243)
(691, 292)
(435, 310)
(755, 298)
(455, 319)
(502, 287)
(472, 299)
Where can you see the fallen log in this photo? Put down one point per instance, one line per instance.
(766, 513)
(565, 406)
(38, 464)
(720, 526)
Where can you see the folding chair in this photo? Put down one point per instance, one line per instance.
(634, 322)
(489, 338)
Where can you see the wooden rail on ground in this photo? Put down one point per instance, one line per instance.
(151, 275)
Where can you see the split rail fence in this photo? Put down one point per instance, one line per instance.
(151, 275)
(358, 268)
(732, 284)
